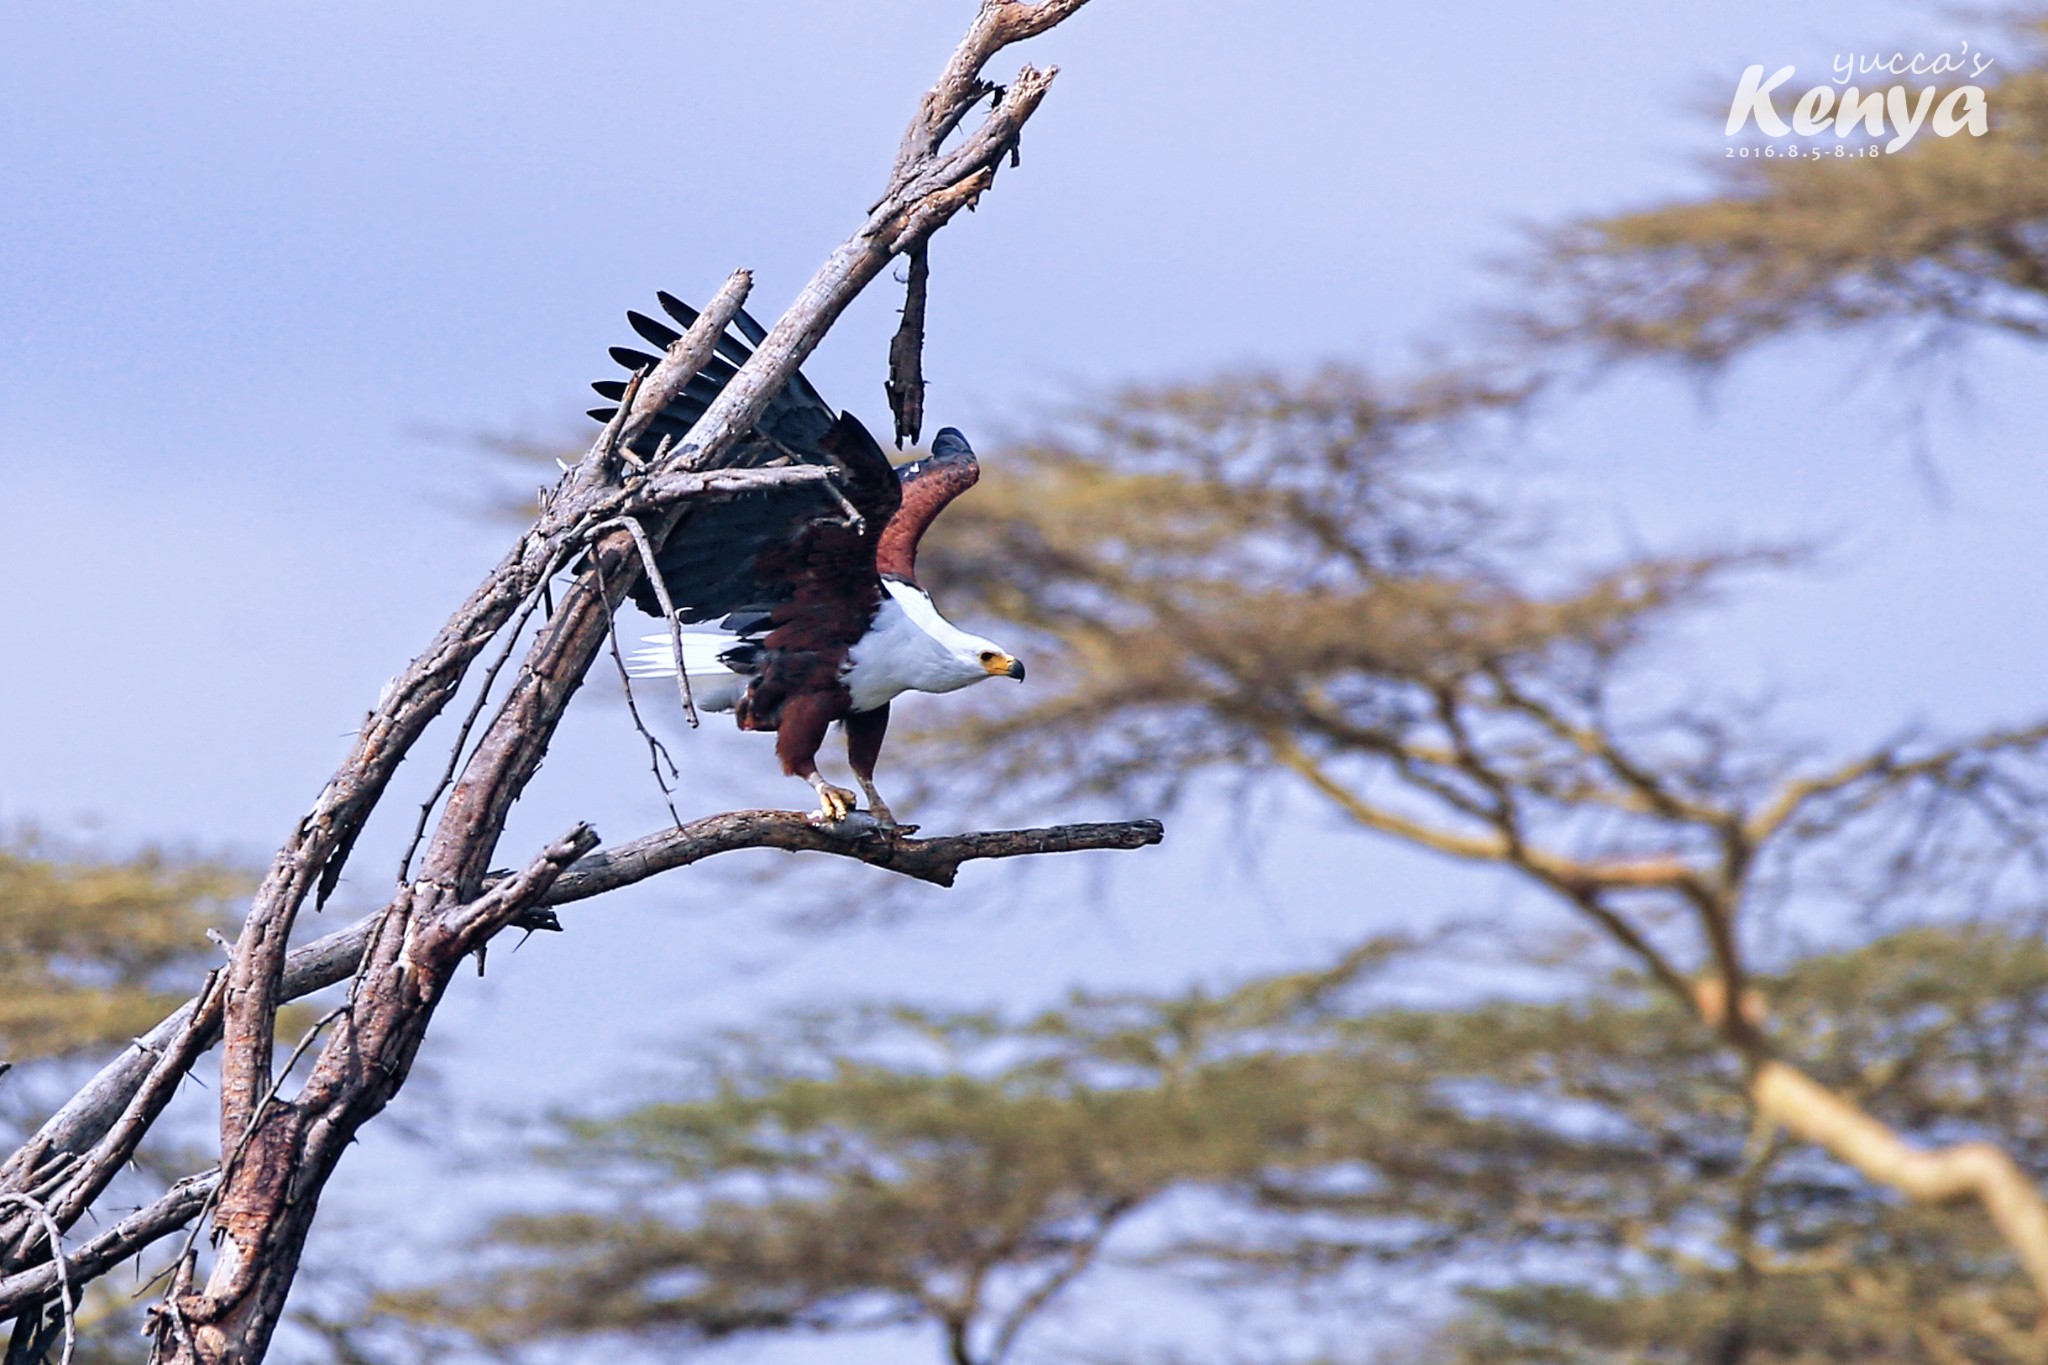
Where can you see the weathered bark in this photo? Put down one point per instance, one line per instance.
(174, 1209)
(905, 385)
(278, 1153)
(276, 1167)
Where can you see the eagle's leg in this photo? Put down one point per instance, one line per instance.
(804, 721)
(864, 731)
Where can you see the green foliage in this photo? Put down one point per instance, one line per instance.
(1587, 1166)
(92, 952)
(1207, 565)
(894, 1166)
(1764, 1252)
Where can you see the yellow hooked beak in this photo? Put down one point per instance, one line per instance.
(1001, 665)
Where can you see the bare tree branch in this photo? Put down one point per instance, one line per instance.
(936, 860)
(281, 1151)
(172, 1210)
(163, 1055)
(906, 352)
(284, 1150)
(1967, 1170)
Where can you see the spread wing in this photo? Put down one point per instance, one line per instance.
(928, 485)
(760, 553)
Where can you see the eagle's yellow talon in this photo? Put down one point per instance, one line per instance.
(834, 803)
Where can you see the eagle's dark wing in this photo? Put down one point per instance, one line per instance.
(795, 420)
(928, 485)
(764, 550)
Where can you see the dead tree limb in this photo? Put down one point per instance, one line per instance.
(267, 1198)
(172, 1210)
(905, 385)
(282, 1150)
(934, 860)
(332, 959)
(281, 1158)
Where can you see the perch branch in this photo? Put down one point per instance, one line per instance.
(266, 1203)
(935, 860)
(333, 959)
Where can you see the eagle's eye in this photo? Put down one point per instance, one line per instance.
(988, 656)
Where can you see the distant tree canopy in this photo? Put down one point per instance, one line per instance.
(93, 952)
(1739, 1151)
(1291, 582)
(1947, 234)
(1214, 565)
(891, 1165)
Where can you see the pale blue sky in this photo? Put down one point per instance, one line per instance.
(253, 254)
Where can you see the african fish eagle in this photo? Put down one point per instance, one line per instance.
(801, 601)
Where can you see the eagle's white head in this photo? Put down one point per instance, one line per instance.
(913, 648)
(963, 658)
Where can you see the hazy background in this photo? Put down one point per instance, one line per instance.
(262, 269)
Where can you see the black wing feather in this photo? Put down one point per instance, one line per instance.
(741, 557)
(652, 332)
(727, 346)
(753, 331)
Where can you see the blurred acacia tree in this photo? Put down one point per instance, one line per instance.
(93, 951)
(895, 1165)
(1269, 579)
(1264, 576)
(1298, 583)
(1588, 1168)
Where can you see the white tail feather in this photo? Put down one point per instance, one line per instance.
(713, 686)
(657, 655)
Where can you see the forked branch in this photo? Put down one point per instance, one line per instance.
(282, 1150)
